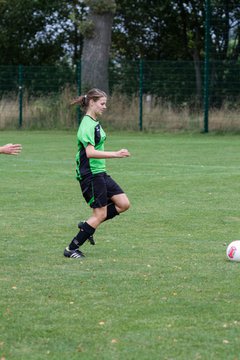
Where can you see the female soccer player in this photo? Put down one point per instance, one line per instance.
(100, 191)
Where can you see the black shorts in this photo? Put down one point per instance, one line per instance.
(98, 189)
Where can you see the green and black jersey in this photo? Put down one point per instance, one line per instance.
(89, 132)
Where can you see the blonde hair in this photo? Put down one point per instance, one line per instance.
(83, 100)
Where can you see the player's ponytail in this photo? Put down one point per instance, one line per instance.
(83, 100)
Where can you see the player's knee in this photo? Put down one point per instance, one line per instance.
(126, 205)
(102, 215)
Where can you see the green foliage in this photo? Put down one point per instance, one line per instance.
(37, 32)
(101, 6)
(157, 30)
(86, 28)
(156, 284)
(21, 21)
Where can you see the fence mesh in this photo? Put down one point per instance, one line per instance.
(172, 94)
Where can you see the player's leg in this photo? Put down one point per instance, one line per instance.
(118, 200)
(95, 194)
(98, 216)
(87, 229)
(119, 203)
(91, 238)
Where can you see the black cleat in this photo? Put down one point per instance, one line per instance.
(75, 254)
(90, 239)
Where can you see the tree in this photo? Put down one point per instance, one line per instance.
(158, 30)
(97, 42)
(37, 32)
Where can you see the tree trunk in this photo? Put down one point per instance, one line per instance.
(196, 59)
(95, 55)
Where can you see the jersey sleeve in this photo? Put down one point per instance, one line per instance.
(86, 134)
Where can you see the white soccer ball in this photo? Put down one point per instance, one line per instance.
(233, 251)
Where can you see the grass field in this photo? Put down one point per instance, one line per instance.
(157, 284)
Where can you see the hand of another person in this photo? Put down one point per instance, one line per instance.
(11, 149)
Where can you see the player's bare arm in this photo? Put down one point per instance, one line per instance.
(91, 152)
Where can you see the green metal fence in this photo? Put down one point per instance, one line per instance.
(157, 86)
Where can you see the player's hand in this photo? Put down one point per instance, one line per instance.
(123, 153)
(11, 149)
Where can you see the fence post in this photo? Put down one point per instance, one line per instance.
(206, 66)
(20, 94)
(141, 94)
(79, 69)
